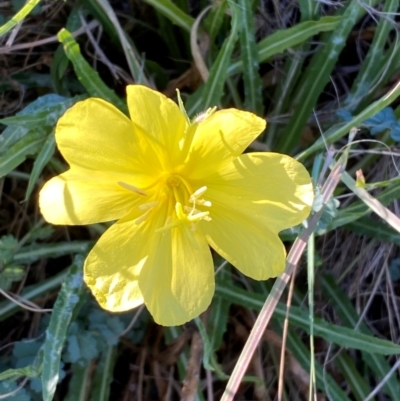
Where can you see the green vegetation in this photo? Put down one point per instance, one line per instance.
(324, 75)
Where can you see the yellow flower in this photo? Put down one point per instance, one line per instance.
(176, 187)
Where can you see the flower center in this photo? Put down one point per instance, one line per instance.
(173, 181)
(176, 193)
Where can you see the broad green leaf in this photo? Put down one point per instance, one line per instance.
(63, 310)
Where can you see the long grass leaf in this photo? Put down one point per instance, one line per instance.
(342, 336)
(89, 78)
(360, 388)
(213, 89)
(211, 93)
(325, 382)
(249, 57)
(349, 317)
(17, 153)
(19, 16)
(8, 308)
(173, 13)
(284, 39)
(317, 76)
(44, 155)
(136, 66)
(63, 310)
(338, 132)
(369, 73)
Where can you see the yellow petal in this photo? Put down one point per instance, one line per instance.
(273, 191)
(93, 134)
(113, 266)
(81, 196)
(159, 118)
(177, 281)
(257, 253)
(219, 139)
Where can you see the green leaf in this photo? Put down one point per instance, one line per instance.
(42, 159)
(34, 252)
(135, 64)
(359, 387)
(249, 56)
(374, 229)
(341, 336)
(325, 382)
(372, 72)
(63, 310)
(317, 75)
(104, 374)
(349, 317)
(173, 13)
(284, 39)
(80, 382)
(8, 245)
(209, 359)
(89, 78)
(18, 153)
(211, 93)
(30, 293)
(19, 16)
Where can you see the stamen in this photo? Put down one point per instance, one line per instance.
(143, 217)
(130, 187)
(197, 194)
(195, 197)
(149, 205)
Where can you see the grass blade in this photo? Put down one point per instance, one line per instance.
(318, 75)
(136, 66)
(343, 336)
(284, 39)
(337, 133)
(63, 310)
(17, 153)
(369, 73)
(89, 78)
(173, 13)
(42, 159)
(19, 16)
(350, 318)
(211, 93)
(252, 81)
